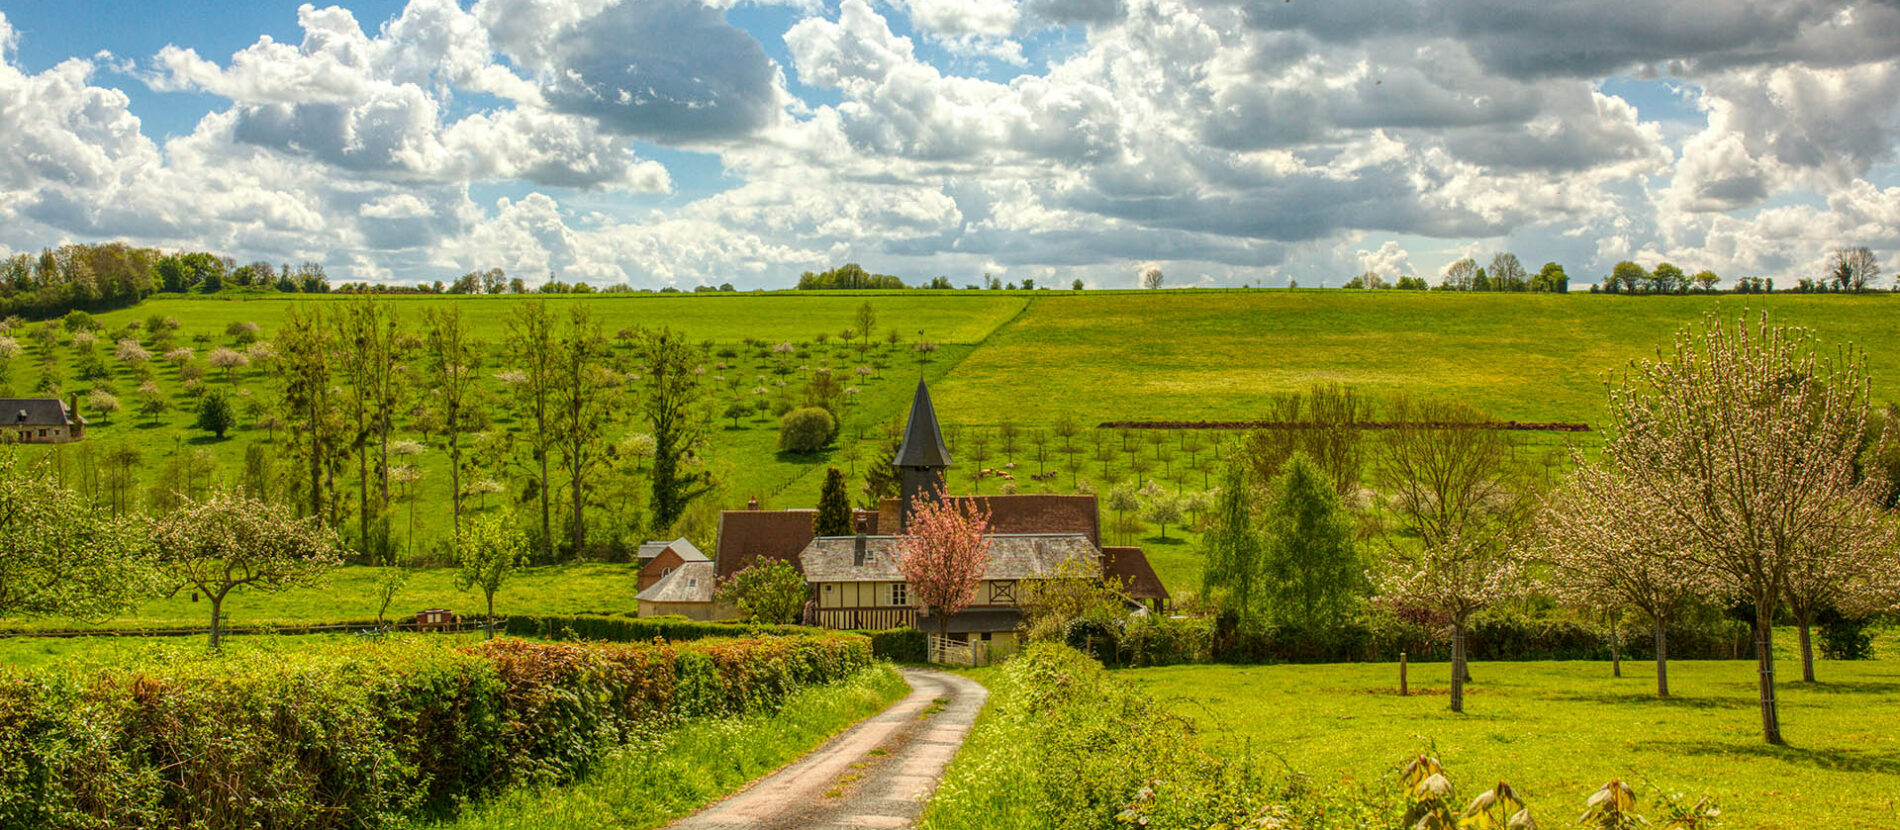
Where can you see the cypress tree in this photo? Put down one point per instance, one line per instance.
(834, 507)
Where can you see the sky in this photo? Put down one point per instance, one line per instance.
(687, 142)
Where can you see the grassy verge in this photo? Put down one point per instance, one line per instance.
(677, 771)
(1557, 731)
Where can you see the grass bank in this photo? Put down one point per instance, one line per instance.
(1557, 731)
(668, 774)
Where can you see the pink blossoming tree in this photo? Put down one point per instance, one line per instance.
(943, 556)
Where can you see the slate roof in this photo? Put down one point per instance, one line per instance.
(35, 412)
(923, 441)
(687, 550)
(1012, 556)
(1130, 566)
(691, 582)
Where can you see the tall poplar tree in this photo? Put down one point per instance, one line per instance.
(1313, 572)
(451, 358)
(535, 350)
(672, 396)
(581, 390)
(834, 507)
(1234, 550)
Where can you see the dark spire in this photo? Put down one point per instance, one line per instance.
(923, 443)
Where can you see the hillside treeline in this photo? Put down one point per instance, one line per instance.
(105, 276)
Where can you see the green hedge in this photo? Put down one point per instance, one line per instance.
(613, 629)
(899, 645)
(368, 735)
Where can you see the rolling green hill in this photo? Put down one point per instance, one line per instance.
(1022, 359)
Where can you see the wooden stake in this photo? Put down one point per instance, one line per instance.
(1402, 689)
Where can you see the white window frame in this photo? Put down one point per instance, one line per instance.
(900, 594)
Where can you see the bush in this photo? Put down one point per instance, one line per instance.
(899, 645)
(1844, 637)
(366, 736)
(806, 430)
(638, 629)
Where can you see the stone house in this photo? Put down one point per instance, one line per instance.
(41, 420)
(657, 559)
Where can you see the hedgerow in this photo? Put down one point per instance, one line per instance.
(369, 735)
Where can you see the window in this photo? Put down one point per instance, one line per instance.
(1003, 590)
(900, 594)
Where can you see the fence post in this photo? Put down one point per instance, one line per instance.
(1402, 689)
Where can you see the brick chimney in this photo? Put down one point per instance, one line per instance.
(752, 503)
(859, 554)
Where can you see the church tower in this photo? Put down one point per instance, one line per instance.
(922, 459)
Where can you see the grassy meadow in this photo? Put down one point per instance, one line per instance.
(1557, 730)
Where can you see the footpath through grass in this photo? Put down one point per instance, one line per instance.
(677, 771)
(1557, 731)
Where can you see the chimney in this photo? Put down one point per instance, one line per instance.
(858, 557)
(752, 503)
(73, 407)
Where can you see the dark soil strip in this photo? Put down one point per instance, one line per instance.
(1512, 426)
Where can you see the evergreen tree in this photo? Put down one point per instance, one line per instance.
(1312, 571)
(1234, 550)
(215, 415)
(834, 507)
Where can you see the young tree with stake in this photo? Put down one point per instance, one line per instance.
(1459, 499)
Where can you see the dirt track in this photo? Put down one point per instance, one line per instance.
(877, 774)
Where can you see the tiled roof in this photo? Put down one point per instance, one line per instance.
(1024, 513)
(34, 412)
(1130, 566)
(747, 536)
(691, 582)
(1012, 556)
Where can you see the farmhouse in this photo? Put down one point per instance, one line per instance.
(686, 591)
(855, 580)
(41, 420)
(657, 559)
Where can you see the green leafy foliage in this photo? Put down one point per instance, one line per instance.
(771, 592)
(806, 430)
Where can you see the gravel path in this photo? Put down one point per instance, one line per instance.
(876, 774)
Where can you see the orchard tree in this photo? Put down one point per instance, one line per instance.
(767, 591)
(1458, 500)
(1745, 439)
(834, 507)
(867, 321)
(1312, 570)
(226, 542)
(487, 552)
(57, 556)
(942, 556)
(1606, 550)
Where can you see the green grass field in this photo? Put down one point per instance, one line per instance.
(84, 653)
(349, 593)
(1557, 731)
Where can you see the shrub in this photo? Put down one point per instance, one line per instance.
(806, 430)
(637, 629)
(898, 645)
(369, 735)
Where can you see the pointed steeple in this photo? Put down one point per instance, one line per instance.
(922, 458)
(923, 443)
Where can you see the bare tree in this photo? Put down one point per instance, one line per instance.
(1459, 501)
(1853, 269)
(1151, 277)
(1743, 440)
